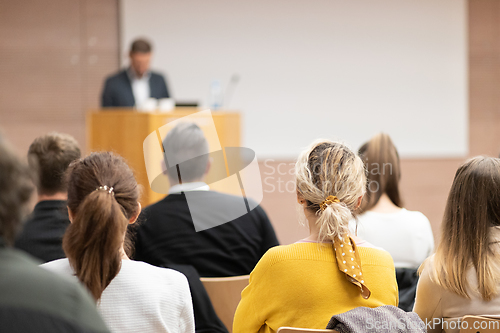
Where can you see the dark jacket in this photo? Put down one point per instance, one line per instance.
(118, 90)
(166, 234)
(407, 286)
(43, 232)
(205, 318)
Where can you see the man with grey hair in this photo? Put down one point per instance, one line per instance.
(167, 234)
(186, 144)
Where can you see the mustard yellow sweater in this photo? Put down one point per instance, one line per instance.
(300, 285)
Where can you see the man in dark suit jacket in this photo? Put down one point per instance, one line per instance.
(49, 156)
(133, 86)
(167, 235)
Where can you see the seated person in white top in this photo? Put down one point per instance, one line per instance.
(132, 296)
(406, 235)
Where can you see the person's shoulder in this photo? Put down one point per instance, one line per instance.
(415, 215)
(59, 265)
(416, 219)
(408, 217)
(427, 274)
(214, 198)
(45, 292)
(218, 195)
(297, 252)
(164, 205)
(117, 76)
(229, 199)
(152, 207)
(272, 257)
(255, 206)
(427, 267)
(375, 256)
(166, 275)
(157, 75)
(287, 251)
(26, 267)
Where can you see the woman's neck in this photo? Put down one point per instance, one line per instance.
(124, 254)
(314, 230)
(313, 227)
(385, 205)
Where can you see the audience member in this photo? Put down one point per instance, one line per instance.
(32, 299)
(168, 236)
(136, 84)
(49, 156)
(329, 272)
(406, 235)
(133, 296)
(463, 276)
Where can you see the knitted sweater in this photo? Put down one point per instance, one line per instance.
(300, 285)
(142, 298)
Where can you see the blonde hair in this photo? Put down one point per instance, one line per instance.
(330, 168)
(473, 207)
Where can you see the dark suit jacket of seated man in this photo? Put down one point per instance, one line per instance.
(166, 234)
(49, 157)
(44, 229)
(118, 89)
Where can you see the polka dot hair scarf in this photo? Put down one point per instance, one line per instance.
(350, 264)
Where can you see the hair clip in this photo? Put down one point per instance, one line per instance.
(106, 188)
(331, 199)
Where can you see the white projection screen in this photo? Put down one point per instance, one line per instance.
(336, 69)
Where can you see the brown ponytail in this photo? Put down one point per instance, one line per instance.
(94, 239)
(383, 171)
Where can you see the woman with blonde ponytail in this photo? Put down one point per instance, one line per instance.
(131, 296)
(329, 272)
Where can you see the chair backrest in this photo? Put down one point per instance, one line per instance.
(303, 330)
(225, 294)
(476, 324)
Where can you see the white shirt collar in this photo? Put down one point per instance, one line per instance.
(188, 187)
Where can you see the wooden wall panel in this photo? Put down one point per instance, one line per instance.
(39, 86)
(425, 184)
(101, 52)
(40, 75)
(54, 56)
(484, 77)
(40, 25)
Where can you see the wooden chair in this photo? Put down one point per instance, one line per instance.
(303, 330)
(476, 324)
(225, 294)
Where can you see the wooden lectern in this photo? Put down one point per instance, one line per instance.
(124, 131)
